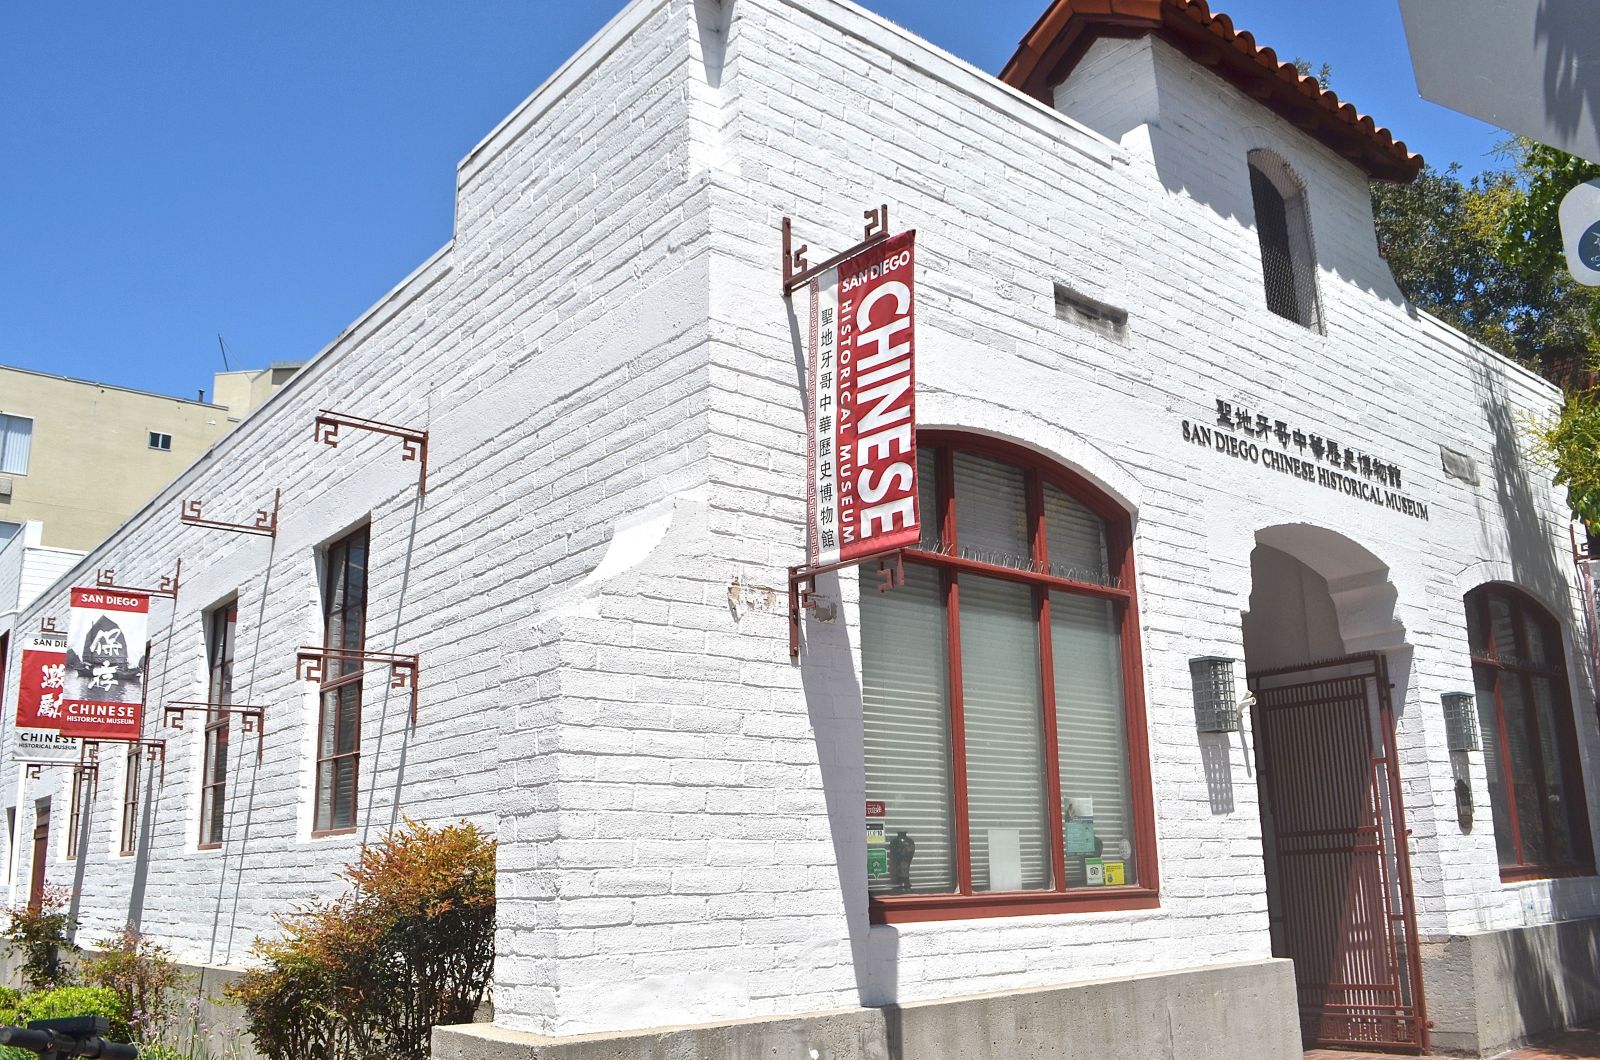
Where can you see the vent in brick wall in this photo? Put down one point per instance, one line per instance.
(1459, 465)
(1090, 312)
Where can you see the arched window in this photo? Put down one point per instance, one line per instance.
(1541, 825)
(1006, 763)
(1283, 226)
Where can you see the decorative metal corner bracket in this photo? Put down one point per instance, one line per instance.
(310, 665)
(413, 444)
(795, 269)
(266, 524)
(253, 717)
(803, 586)
(33, 770)
(154, 751)
(106, 578)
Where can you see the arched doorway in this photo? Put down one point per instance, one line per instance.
(1318, 639)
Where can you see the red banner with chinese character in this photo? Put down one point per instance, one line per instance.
(105, 664)
(862, 449)
(42, 681)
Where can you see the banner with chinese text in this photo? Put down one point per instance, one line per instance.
(105, 664)
(862, 449)
(41, 684)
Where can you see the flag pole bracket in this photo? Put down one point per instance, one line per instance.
(803, 586)
(265, 525)
(796, 272)
(413, 443)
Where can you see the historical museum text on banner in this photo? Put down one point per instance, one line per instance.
(862, 449)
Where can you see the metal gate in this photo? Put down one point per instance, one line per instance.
(1338, 867)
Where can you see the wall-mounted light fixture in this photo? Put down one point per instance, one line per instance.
(1216, 708)
(1460, 721)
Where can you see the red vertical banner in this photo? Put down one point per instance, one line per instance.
(104, 692)
(41, 684)
(862, 447)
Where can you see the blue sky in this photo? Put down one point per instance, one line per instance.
(176, 169)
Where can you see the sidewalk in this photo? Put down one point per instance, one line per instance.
(1580, 1044)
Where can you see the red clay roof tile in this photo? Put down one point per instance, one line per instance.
(1056, 43)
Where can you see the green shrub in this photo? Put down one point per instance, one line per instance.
(371, 973)
(144, 976)
(61, 1003)
(39, 935)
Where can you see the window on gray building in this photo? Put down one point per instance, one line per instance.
(161, 441)
(16, 441)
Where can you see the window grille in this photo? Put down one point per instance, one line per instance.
(1283, 228)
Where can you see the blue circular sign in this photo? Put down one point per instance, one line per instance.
(1589, 247)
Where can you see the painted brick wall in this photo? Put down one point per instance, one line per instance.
(595, 580)
(554, 350)
(725, 876)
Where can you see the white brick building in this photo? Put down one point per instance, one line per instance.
(595, 580)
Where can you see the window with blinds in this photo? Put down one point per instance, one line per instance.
(16, 443)
(999, 735)
(1541, 825)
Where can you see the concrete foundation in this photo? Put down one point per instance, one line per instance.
(1491, 991)
(1228, 1010)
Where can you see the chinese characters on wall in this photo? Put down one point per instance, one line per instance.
(1317, 457)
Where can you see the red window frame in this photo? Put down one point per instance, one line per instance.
(222, 625)
(340, 678)
(1144, 893)
(130, 800)
(1514, 662)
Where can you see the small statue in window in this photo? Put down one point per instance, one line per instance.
(902, 848)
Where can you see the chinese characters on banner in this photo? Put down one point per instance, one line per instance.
(862, 450)
(105, 664)
(41, 685)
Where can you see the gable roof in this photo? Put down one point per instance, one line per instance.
(1059, 40)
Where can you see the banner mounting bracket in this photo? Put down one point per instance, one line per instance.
(795, 270)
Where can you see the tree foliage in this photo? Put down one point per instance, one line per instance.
(1530, 228)
(1485, 255)
(1570, 443)
(371, 973)
(38, 935)
(1448, 243)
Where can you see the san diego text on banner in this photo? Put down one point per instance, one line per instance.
(105, 664)
(862, 449)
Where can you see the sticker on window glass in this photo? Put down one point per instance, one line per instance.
(1095, 872)
(1080, 826)
(1115, 873)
